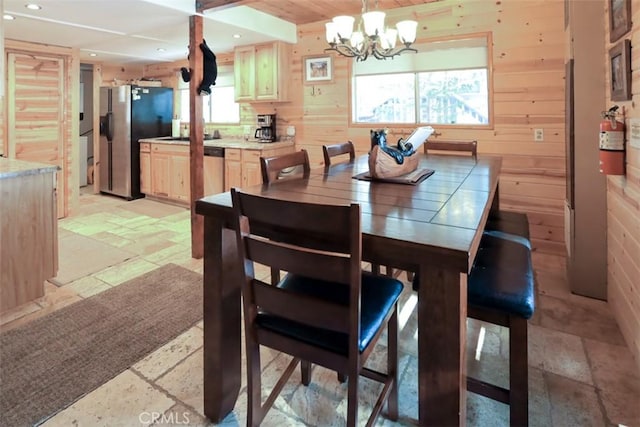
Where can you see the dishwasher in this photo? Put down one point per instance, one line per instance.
(213, 170)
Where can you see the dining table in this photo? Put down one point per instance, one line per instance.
(432, 228)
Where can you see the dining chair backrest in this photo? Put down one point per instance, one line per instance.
(314, 313)
(470, 147)
(333, 150)
(285, 165)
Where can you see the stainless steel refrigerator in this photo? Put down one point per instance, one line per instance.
(127, 114)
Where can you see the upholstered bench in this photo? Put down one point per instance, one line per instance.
(500, 290)
(509, 222)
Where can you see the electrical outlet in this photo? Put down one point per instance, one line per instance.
(538, 135)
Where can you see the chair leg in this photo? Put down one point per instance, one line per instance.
(352, 394)
(410, 276)
(375, 269)
(254, 392)
(392, 365)
(518, 372)
(275, 276)
(342, 378)
(305, 371)
(389, 271)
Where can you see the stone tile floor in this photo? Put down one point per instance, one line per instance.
(581, 372)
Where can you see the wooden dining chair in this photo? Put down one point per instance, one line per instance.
(285, 166)
(501, 290)
(470, 147)
(325, 311)
(334, 150)
(290, 166)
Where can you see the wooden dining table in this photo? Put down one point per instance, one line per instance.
(432, 228)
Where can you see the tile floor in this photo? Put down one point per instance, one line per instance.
(581, 372)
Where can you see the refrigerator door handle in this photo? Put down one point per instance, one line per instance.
(109, 126)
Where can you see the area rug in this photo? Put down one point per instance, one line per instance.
(49, 363)
(81, 256)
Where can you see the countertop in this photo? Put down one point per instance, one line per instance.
(223, 143)
(11, 168)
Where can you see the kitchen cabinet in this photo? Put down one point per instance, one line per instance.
(261, 72)
(145, 168)
(164, 171)
(242, 166)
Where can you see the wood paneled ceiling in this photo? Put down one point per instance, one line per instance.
(306, 11)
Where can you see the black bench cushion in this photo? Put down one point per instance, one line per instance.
(509, 222)
(379, 295)
(502, 277)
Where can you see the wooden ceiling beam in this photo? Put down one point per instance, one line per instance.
(208, 5)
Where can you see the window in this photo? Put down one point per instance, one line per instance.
(220, 106)
(445, 83)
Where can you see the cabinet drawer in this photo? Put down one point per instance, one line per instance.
(232, 154)
(252, 156)
(170, 149)
(145, 147)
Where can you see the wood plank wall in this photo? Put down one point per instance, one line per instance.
(528, 80)
(623, 207)
(528, 93)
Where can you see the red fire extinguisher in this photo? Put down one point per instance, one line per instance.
(611, 143)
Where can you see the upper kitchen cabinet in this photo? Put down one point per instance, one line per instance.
(261, 72)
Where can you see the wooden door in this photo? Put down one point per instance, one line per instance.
(145, 172)
(244, 69)
(180, 178)
(160, 171)
(36, 114)
(266, 72)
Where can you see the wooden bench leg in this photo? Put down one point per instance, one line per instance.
(518, 372)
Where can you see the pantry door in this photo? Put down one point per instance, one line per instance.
(36, 114)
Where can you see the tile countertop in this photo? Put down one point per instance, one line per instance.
(11, 168)
(223, 143)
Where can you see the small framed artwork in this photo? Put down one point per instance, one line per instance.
(619, 18)
(620, 65)
(318, 69)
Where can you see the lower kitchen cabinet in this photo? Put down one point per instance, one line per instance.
(145, 168)
(242, 166)
(164, 171)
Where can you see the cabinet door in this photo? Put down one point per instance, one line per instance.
(266, 72)
(252, 174)
(179, 181)
(232, 174)
(244, 71)
(160, 171)
(145, 173)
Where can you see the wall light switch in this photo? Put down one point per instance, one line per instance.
(538, 135)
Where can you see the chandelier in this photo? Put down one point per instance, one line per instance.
(376, 40)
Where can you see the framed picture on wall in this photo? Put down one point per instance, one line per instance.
(619, 18)
(620, 66)
(318, 69)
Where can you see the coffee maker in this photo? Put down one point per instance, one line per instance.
(266, 131)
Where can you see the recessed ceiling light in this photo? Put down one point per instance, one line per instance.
(33, 6)
(93, 54)
(161, 49)
(237, 36)
(8, 17)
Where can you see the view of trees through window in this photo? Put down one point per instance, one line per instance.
(219, 107)
(444, 97)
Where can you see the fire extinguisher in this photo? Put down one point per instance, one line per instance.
(611, 143)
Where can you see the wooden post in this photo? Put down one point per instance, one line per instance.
(196, 134)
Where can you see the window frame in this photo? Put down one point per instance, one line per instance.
(489, 126)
